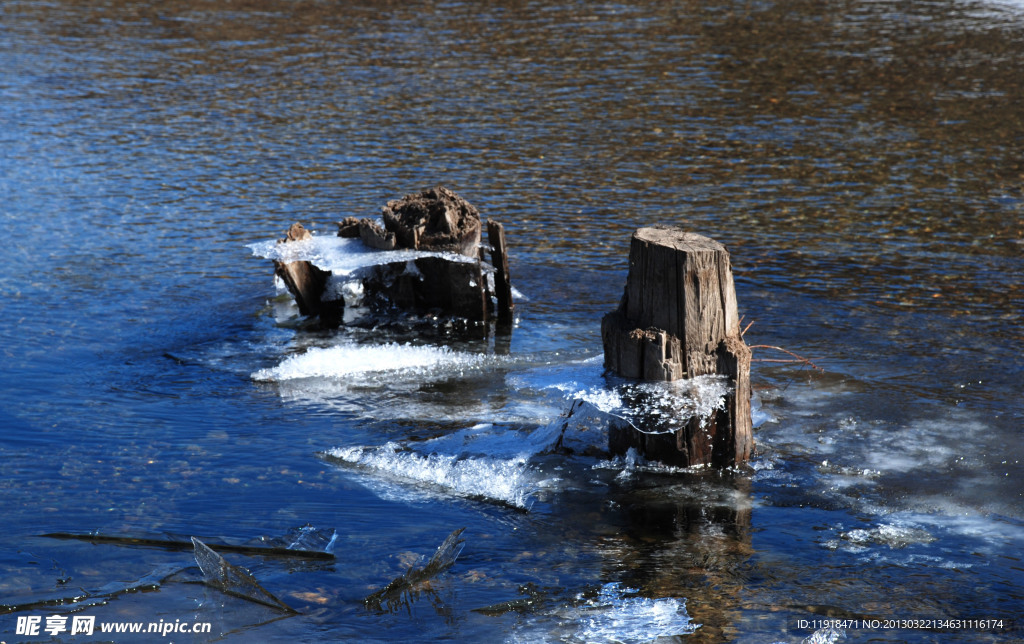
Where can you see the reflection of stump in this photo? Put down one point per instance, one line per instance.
(678, 318)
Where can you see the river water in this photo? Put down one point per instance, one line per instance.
(862, 161)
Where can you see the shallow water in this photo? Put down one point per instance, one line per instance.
(861, 160)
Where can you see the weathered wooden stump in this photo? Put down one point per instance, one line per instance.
(678, 319)
(447, 287)
(306, 282)
(502, 283)
(436, 219)
(450, 279)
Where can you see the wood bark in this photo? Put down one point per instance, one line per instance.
(435, 219)
(735, 446)
(502, 282)
(305, 281)
(678, 318)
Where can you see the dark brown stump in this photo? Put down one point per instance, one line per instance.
(305, 281)
(438, 284)
(678, 318)
(502, 283)
(436, 219)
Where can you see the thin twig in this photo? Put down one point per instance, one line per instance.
(799, 358)
(784, 361)
(747, 328)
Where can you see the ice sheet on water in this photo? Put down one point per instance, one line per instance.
(494, 462)
(758, 414)
(352, 359)
(508, 481)
(670, 404)
(484, 461)
(340, 255)
(487, 439)
(852, 454)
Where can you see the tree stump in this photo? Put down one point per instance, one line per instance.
(428, 284)
(305, 281)
(678, 318)
(436, 219)
(447, 279)
(502, 283)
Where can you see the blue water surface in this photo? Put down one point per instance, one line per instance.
(861, 160)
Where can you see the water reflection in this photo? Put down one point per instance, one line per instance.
(689, 538)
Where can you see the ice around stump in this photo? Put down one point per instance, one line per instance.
(678, 318)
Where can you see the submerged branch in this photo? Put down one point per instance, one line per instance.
(97, 596)
(176, 544)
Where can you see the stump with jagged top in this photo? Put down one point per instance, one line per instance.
(678, 319)
(440, 221)
(450, 280)
(435, 219)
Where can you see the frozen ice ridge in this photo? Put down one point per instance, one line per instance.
(504, 480)
(341, 256)
(354, 359)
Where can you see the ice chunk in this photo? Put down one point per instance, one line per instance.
(582, 429)
(508, 481)
(340, 255)
(614, 614)
(233, 580)
(652, 407)
(617, 616)
(666, 407)
(402, 590)
(894, 536)
(824, 636)
(306, 539)
(485, 461)
(354, 359)
(309, 538)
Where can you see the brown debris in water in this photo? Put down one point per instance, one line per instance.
(436, 219)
